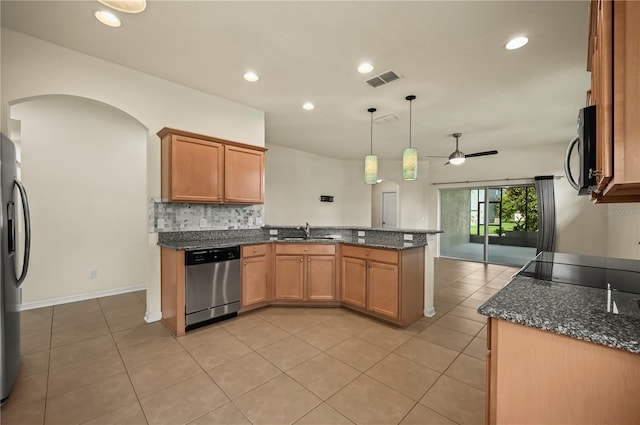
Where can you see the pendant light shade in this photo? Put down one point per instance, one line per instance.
(410, 164)
(410, 154)
(371, 160)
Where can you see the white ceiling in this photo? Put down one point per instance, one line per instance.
(450, 53)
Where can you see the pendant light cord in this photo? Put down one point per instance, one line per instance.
(371, 152)
(410, 98)
(371, 111)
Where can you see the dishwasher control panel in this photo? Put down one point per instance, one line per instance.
(213, 255)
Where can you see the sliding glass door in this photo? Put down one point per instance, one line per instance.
(490, 224)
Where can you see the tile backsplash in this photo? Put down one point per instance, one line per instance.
(188, 217)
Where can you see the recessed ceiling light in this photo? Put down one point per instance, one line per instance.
(108, 18)
(127, 6)
(251, 76)
(365, 68)
(516, 43)
(308, 106)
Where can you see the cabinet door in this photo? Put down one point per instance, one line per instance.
(197, 170)
(244, 175)
(354, 282)
(321, 277)
(383, 289)
(254, 280)
(289, 277)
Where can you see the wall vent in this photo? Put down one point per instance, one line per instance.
(382, 79)
(386, 119)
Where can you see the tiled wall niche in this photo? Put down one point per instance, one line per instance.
(188, 217)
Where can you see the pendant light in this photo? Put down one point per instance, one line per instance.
(371, 160)
(410, 154)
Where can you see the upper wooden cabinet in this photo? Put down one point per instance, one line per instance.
(198, 168)
(243, 175)
(614, 62)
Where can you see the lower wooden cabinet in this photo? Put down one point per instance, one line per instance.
(305, 272)
(384, 282)
(255, 275)
(540, 377)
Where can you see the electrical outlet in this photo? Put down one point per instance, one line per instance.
(360, 232)
(160, 223)
(203, 222)
(360, 240)
(93, 273)
(250, 220)
(273, 232)
(408, 237)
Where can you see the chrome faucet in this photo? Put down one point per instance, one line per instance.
(307, 231)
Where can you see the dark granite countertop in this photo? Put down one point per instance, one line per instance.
(588, 313)
(224, 243)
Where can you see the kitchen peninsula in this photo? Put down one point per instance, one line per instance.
(564, 341)
(378, 272)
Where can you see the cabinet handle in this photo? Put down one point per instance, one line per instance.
(309, 259)
(301, 260)
(366, 254)
(305, 250)
(255, 250)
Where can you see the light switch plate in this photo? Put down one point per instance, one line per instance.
(160, 223)
(360, 240)
(360, 232)
(273, 238)
(273, 232)
(408, 237)
(203, 222)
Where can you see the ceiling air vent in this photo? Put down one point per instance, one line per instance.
(386, 119)
(382, 79)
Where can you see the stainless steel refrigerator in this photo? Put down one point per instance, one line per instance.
(11, 193)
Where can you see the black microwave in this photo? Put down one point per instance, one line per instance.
(586, 143)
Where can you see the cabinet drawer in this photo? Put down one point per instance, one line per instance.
(376, 254)
(254, 250)
(305, 249)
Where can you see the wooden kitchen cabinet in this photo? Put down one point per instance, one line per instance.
(255, 276)
(386, 283)
(243, 175)
(204, 169)
(305, 273)
(192, 169)
(614, 49)
(539, 377)
(354, 282)
(172, 288)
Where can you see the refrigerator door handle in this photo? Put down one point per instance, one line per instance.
(27, 231)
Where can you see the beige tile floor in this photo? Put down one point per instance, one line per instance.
(98, 362)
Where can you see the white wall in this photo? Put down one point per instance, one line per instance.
(581, 226)
(31, 67)
(623, 226)
(295, 181)
(411, 194)
(84, 166)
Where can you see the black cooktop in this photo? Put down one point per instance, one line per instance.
(598, 272)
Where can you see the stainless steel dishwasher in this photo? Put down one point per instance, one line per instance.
(212, 285)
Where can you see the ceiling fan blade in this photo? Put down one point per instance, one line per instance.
(447, 163)
(485, 153)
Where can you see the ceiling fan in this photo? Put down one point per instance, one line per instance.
(457, 157)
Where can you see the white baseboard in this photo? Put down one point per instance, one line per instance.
(430, 312)
(153, 316)
(81, 297)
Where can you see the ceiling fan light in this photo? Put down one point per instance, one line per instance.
(410, 164)
(371, 169)
(456, 158)
(127, 6)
